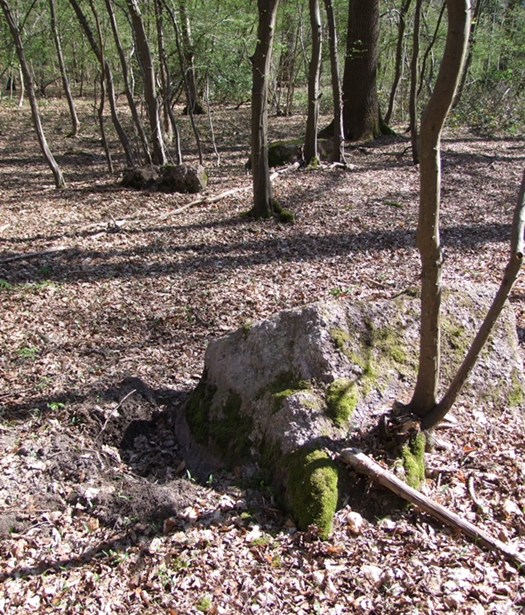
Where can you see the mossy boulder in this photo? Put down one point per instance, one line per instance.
(281, 153)
(284, 392)
(140, 178)
(182, 178)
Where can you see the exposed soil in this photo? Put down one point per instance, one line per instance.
(106, 505)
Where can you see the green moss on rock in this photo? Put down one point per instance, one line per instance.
(341, 400)
(231, 432)
(311, 488)
(198, 410)
(340, 339)
(413, 455)
(515, 394)
(228, 433)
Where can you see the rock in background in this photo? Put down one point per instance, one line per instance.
(285, 391)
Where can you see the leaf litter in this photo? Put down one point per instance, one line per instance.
(103, 334)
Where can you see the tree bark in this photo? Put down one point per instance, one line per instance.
(28, 81)
(339, 139)
(261, 63)
(314, 76)
(150, 95)
(360, 103)
(428, 241)
(75, 124)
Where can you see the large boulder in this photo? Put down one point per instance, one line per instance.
(285, 391)
(182, 178)
(140, 178)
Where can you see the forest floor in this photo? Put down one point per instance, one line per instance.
(108, 298)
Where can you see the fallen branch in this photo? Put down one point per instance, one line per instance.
(202, 200)
(364, 465)
(21, 257)
(292, 167)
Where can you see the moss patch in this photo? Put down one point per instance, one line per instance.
(198, 410)
(285, 385)
(515, 394)
(340, 338)
(413, 455)
(341, 400)
(229, 433)
(311, 488)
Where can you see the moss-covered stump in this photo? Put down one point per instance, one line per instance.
(282, 392)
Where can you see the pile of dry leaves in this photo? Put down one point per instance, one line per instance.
(108, 298)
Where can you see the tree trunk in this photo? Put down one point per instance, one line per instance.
(164, 74)
(412, 101)
(468, 61)
(428, 242)
(261, 64)
(150, 95)
(129, 95)
(399, 58)
(109, 81)
(75, 124)
(189, 60)
(100, 111)
(185, 78)
(59, 180)
(511, 273)
(360, 104)
(314, 76)
(339, 140)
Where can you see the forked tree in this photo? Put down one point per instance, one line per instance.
(263, 206)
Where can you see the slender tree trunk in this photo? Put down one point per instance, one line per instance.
(261, 64)
(185, 79)
(100, 111)
(512, 270)
(189, 60)
(412, 100)
(150, 95)
(428, 241)
(468, 61)
(164, 74)
(22, 87)
(399, 59)
(314, 76)
(109, 82)
(75, 124)
(339, 140)
(55, 169)
(129, 95)
(430, 47)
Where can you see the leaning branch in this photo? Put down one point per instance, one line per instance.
(364, 465)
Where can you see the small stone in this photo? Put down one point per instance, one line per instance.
(355, 522)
